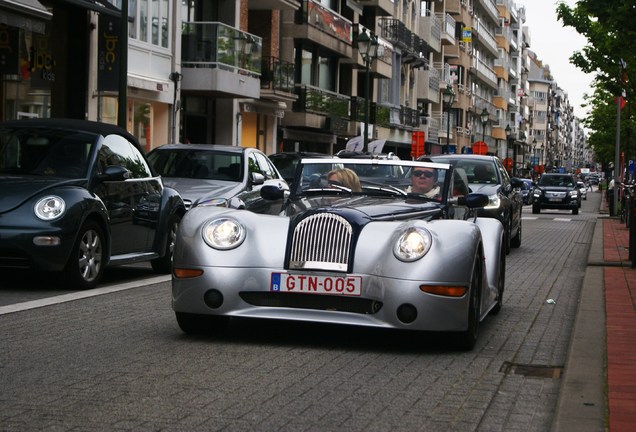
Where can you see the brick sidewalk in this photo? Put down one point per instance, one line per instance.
(620, 305)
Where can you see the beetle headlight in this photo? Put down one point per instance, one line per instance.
(49, 208)
(493, 202)
(223, 233)
(413, 244)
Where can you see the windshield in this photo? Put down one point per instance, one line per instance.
(42, 151)
(565, 181)
(372, 177)
(197, 164)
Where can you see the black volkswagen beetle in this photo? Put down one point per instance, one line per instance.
(78, 196)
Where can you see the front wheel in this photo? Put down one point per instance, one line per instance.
(466, 340)
(516, 240)
(164, 264)
(84, 268)
(575, 211)
(536, 209)
(501, 284)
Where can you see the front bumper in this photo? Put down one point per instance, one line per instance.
(246, 293)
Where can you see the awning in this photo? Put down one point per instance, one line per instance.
(29, 15)
(101, 6)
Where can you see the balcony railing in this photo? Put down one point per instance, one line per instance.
(326, 20)
(217, 45)
(319, 101)
(277, 74)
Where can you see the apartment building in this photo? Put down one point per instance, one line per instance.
(288, 75)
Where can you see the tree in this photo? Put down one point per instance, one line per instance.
(611, 55)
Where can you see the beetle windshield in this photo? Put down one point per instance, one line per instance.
(42, 151)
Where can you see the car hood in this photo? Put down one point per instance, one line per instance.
(370, 208)
(195, 189)
(486, 189)
(23, 188)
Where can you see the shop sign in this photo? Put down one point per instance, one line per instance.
(108, 53)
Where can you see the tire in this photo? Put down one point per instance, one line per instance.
(575, 211)
(501, 284)
(196, 324)
(516, 240)
(536, 209)
(163, 265)
(466, 340)
(85, 265)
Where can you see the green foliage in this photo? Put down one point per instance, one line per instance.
(610, 54)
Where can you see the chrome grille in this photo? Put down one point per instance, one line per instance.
(322, 242)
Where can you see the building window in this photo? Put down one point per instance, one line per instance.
(148, 21)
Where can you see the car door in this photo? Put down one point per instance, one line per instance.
(133, 204)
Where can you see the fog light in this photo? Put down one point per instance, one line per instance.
(213, 298)
(407, 313)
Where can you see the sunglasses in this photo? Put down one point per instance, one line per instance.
(428, 174)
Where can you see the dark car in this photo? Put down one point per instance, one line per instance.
(286, 162)
(556, 191)
(79, 196)
(527, 191)
(218, 175)
(487, 175)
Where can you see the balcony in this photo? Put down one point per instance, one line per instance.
(323, 27)
(448, 28)
(484, 72)
(428, 85)
(431, 32)
(485, 38)
(321, 109)
(277, 80)
(490, 8)
(430, 126)
(219, 60)
(382, 7)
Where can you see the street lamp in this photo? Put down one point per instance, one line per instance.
(368, 49)
(484, 120)
(448, 96)
(508, 132)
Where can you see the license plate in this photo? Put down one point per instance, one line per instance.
(555, 200)
(306, 284)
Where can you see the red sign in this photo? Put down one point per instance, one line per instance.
(507, 163)
(417, 144)
(480, 148)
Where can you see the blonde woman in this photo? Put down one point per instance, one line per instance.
(345, 177)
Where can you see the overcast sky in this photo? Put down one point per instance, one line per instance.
(554, 44)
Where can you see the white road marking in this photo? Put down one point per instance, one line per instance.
(19, 307)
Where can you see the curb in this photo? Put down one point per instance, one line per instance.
(582, 404)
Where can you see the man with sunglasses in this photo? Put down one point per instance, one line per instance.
(424, 182)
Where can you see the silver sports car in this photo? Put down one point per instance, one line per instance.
(401, 250)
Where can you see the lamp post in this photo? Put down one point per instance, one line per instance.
(484, 120)
(449, 97)
(534, 157)
(508, 132)
(368, 49)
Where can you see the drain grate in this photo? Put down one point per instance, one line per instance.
(537, 371)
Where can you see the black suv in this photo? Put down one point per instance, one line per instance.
(556, 191)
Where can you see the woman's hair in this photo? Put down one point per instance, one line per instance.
(348, 178)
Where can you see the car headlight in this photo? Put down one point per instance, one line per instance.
(493, 202)
(573, 194)
(223, 233)
(49, 208)
(213, 202)
(413, 244)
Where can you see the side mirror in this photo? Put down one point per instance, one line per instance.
(475, 200)
(257, 178)
(516, 182)
(274, 190)
(114, 173)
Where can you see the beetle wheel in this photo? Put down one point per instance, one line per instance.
(84, 268)
(501, 283)
(164, 264)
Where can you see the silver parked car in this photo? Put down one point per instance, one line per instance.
(217, 175)
(359, 252)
